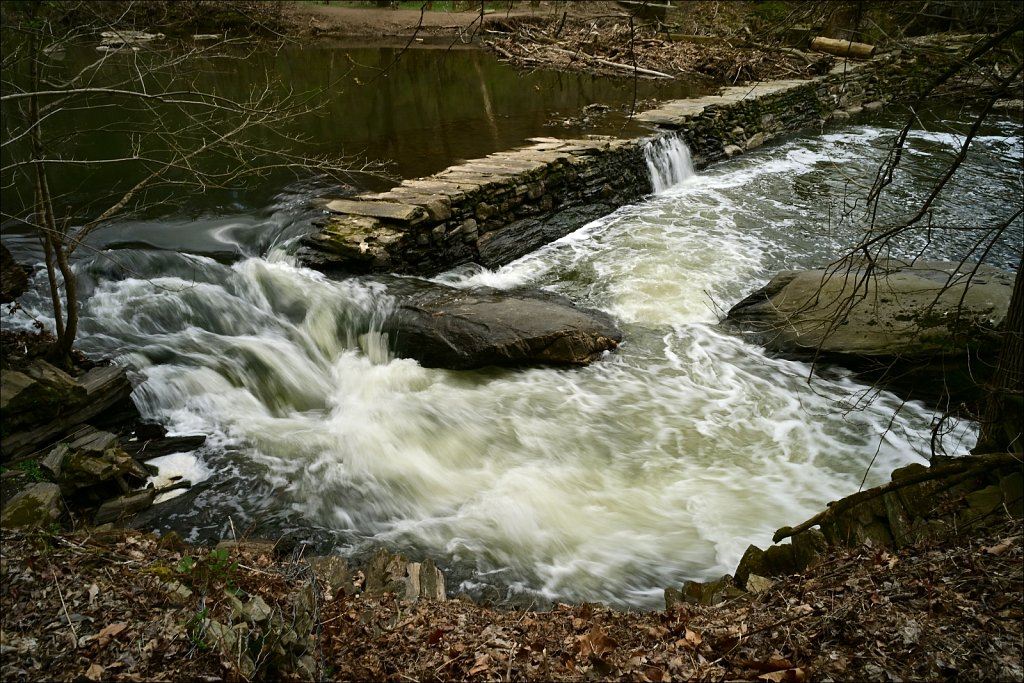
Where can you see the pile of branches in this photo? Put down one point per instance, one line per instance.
(620, 46)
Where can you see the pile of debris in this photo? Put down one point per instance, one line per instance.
(617, 46)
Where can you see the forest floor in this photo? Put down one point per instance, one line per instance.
(87, 606)
(91, 607)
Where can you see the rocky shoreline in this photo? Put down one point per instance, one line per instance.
(81, 492)
(919, 579)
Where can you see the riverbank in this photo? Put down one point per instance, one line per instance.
(110, 606)
(124, 606)
(593, 37)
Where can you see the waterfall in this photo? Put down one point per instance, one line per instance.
(662, 462)
(668, 159)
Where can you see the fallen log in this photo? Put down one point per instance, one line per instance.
(842, 48)
(637, 69)
(605, 62)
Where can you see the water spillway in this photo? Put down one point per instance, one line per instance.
(495, 209)
(607, 483)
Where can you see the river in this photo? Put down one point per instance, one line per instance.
(659, 463)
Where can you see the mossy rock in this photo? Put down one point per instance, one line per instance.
(36, 394)
(38, 506)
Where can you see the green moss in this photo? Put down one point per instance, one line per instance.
(771, 11)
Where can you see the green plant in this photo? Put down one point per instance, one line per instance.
(217, 567)
(196, 629)
(31, 470)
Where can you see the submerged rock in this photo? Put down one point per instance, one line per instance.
(458, 329)
(933, 322)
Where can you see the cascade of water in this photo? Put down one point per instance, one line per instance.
(669, 162)
(660, 463)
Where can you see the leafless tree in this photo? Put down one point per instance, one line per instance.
(886, 232)
(175, 136)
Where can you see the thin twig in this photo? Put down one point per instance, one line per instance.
(71, 625)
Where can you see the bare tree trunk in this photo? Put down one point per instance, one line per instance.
(1001, 425)
(62, 352)
(53, 242)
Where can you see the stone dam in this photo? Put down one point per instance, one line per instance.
(493, 210)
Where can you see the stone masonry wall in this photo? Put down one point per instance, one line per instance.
(493, 210)
(489, 211)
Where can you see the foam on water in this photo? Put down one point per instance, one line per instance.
(659, 463)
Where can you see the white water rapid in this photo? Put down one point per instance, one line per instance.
(659, 463)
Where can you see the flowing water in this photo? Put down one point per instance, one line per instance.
(659, 463)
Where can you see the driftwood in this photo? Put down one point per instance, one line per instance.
(969, 464)
(842, 48)
(637, 69)
(627, 67)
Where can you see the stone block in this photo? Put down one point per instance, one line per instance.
(779, 560)
(758, 584)
(54, 460)
(39, 505)
(123, 507)
(484, 211)
(92, 441)
(438, 209)
(985, 501)
(36, 394)
(752, 562)
(333, 571)
(899, 521)
(808, 546)
(672, 598)
(399, 213)
(1012, 487)
(709, 592)
(424, 580)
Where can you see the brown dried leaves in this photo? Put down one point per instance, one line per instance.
(866, 614)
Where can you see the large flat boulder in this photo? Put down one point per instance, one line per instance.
(459, 329)
(37, 506)
(930, 315)
(41, 403)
